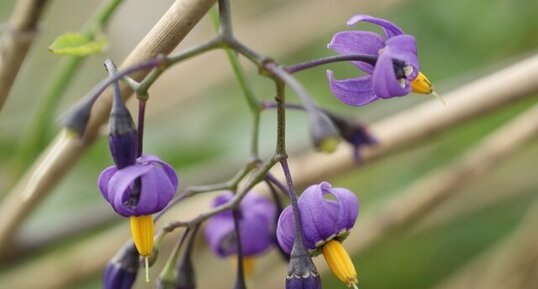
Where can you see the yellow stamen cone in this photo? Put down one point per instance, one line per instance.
(421, 84)
(340, 263)
(142, 232)
(248, 265)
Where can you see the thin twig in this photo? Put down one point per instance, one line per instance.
(16, 41)
(63, 153)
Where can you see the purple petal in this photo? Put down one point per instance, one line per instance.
(319, 215)
(357, 42)
(353, 91)
(255, 233)
(219, 233)
(121, 181)
(103, 179)
(221, 200)
(261, 206)
(404, 48)
(169, 170)
(388, 27)
(285, 231)
(384, 82)
(348, 207)
(156, 192)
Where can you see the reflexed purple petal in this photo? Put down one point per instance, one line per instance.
(357, 42)
(260, 206)
(156, 192)
(255, 232)
(219, 233)
(255, 224)
(348, 208)
(103, 179)
(353, 91)
(119, 187)
(404, 48)
(388, 27)
(285, 231)
(384, 80)
(318, 215)
(169, 170)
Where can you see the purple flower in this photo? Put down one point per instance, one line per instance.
(257, 215)
(392, 74)
(326, 213)
(156, 186)
(121, 271)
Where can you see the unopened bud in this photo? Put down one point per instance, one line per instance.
(121, 271)
(323, 132)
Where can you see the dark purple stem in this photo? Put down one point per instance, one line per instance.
(371, 59)
(274, 105)
(141, 116)
(299, 239)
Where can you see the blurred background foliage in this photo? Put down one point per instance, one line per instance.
(200, 124)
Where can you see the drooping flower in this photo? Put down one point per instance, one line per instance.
(257, 215)
(393, 71)
(138, 191)
(327, 215)
(158, 183)
(121, 271)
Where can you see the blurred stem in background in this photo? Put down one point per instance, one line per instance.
(38, 133)
(16, 41)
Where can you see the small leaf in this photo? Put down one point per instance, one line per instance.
(77, 44)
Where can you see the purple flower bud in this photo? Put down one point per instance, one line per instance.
(353, 132)
(157, 184)
(123, 139)
(323, 132)
(121, 271)
(396, 66)
(77, 118)
(255, 224)
(326, 213)
(184, 271)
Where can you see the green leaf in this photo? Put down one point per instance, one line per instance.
(77, 44)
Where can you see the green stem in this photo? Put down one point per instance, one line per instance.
(168, 270)
(36, 137)
(223, 24)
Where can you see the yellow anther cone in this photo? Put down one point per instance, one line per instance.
(142, 232)
(340, 263)
(248, 265)
(421, 84)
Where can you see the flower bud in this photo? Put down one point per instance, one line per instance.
(323, 132)
(353, 132)
(123, 138)
(185, 277)
(121, 271)
(77, 118)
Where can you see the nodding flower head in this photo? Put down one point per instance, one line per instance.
(327, 215)
(143, 188)
(392, 71)
(256, 219)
